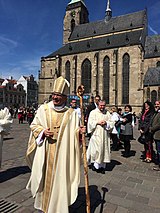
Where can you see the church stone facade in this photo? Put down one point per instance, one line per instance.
(113, 57)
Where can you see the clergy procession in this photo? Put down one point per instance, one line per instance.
(63, 140)
(55, 149)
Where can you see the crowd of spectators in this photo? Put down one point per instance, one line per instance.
(121, 135)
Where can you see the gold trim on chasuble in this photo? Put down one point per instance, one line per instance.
(55, 121)
(32, 143)
(31, 146)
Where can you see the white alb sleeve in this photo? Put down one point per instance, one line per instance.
(39, 140)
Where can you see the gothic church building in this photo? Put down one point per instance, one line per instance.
(113, 57)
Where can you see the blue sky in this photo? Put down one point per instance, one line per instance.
(30, 29)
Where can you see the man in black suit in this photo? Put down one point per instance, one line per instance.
(93, 104)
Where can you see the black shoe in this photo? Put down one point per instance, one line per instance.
(126, 155)
(98, 170)
(102, 170)
(114, 149)
(90, 166)
(93, 168)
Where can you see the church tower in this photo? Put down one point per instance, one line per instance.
(76, 13)
(108, 14)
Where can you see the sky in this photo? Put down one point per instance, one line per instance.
(31, 29)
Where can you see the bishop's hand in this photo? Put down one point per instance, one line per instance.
(82, 129)
(48, 133)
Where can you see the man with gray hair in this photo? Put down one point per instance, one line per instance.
(99, 125)
(54, 153)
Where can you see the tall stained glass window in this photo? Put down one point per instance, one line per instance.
(86, 75)
(106, 78)
(125, 79)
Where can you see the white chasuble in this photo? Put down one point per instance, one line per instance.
(55, 164)
(99, 145)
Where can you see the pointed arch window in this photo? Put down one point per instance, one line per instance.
(86, 75)
(153, 96)
(106, 78)
(148, 93)
(96, 64)
(67, 70)
(125, 79)
(72, 25)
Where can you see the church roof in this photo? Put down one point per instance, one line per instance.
(96, 44)
(152, 46)
(152, 77)
(115, 24)
(117, 32)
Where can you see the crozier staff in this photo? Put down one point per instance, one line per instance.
(80, 92)
(54, 153)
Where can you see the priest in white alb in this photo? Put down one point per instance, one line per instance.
(100, 126)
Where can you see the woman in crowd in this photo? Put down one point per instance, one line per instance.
(20, 115)
(114, 134)
(155, 130)
(126, 132)
(30, 115)
(144, 124)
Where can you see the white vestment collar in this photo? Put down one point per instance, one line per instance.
(62, 108)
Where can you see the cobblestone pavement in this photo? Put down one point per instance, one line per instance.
(128, 186)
